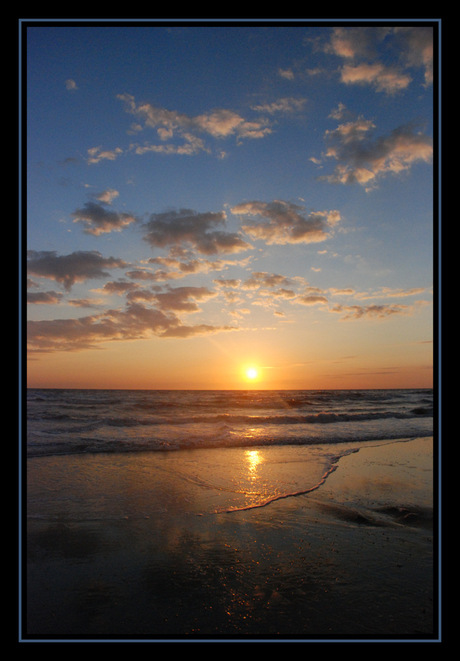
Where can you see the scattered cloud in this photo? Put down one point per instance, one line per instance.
(174, 125)
(311, 299)
(358, 154)
(69, 269)
(369, 311)
(180, 330)
(45, 297)
(187, 227)
(97, 154)
(363, 51)
(99, 220)
(285, 105)
(416, 44)
(285, 222)
(134, 322)
(155, 311)
(263, 279)
(183, 299)
(191, 145)
(286, 73)
(387, 292)
(182, 263)
(119, 287)
(383, 78)
(84, 302)
(363, 158)
(107, 196)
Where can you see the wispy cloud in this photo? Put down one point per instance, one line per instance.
(182, 263)
(370, 311)
(172, 125)
(283, 105)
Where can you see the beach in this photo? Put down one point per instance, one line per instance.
(266, 543)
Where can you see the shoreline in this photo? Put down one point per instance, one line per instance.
(353, 557)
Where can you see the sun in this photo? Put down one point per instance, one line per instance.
(252, 373)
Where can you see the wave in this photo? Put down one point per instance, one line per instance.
(233, 419)
(62, 422)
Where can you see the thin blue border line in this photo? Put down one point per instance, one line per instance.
(163, 19)
(19, 340)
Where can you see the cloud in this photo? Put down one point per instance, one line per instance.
(84, 302)
(228, 283)
(180, 330)
(359, 47)
(172, 125)
(191, 145)
(135, 322)
(71, 85)
(183, 299)
(372, 311)
(69, 269)
(285, 222)
(365, 50)
(45, 298)
(354, 42)
(387, 292)
(119, 287)
(263, 279)
(311, 299)
(97, 154)
(88, 332)
(100, 220)
(176, 228)
(416, 44)
(383, 78)
(181, 263)
(141, 274)
(286, 73)
(285, 105)
(107, 196)
(362, 158)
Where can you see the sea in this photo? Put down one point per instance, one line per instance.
(192, 513)
(73, 421)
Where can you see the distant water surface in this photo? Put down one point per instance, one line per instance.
(95, 421)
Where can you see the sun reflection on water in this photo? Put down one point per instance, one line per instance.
(254, 459)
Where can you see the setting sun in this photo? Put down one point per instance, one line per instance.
(251, 373)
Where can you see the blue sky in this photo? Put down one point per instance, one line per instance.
(201, 198)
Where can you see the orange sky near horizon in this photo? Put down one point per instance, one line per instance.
(215, 363)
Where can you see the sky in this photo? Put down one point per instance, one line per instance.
(204, 198)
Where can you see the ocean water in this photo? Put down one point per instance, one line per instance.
(61, 422)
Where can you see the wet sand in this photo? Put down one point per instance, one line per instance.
(143, 546)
